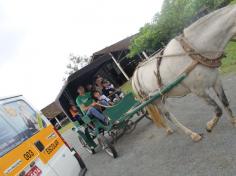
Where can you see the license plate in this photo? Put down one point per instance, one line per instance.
(34, 171)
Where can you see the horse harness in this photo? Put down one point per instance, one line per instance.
(197, 57)
(212, 63)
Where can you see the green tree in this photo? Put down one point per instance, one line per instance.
(175, 15)
(75, 63)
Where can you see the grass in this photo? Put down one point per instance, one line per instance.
(229, 62)
(66, 127)
(233, 2)
(126, 87)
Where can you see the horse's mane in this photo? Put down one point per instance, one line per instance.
(210, 17)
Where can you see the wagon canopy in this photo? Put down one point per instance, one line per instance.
(83, 76)
(102, 64)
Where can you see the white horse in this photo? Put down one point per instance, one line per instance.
(208, 34)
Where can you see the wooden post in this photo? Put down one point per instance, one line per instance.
(58, 121)
(139, 55)
(118, 65)
(145, 55)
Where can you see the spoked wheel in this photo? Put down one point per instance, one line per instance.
(86, 146)
(129, 126)
(107, 146)
(113, 135)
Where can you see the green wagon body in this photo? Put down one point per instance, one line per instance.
(115, 114)
(117, 111)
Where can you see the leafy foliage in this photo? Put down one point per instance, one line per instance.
(75, 63)
(229, 63)
(233, 2)
(173, 18)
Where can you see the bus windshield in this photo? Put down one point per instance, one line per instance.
(17, 123)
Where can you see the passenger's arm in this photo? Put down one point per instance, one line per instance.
(85, 108)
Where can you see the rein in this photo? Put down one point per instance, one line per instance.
(186, 54)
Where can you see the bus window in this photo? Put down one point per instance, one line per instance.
(21, 123)
(9, 138)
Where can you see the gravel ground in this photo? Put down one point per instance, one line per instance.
(149, 152)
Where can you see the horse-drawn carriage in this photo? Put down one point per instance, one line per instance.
(123, 117)
(120, 122)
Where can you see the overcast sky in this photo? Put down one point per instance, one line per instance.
(37, 36)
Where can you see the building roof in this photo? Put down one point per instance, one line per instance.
(51, 111)
(103, 55)
(121, 45)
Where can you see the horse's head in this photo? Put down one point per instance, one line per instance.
(213, 31)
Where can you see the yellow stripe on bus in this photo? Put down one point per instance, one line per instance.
(19, 158)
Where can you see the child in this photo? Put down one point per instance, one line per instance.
(109, 91)
(102, 99)
(75, 114)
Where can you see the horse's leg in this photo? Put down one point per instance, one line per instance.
(195, 136)
(168, 129)
(221, 94)
(218, 111)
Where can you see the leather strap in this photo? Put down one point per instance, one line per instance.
(157, 73)
(213, 63)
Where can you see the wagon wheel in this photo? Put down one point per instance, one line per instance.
(86, 146)
(91, 133)
(107, 146)
(113, 135)
(129, 126)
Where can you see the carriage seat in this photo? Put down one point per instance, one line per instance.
(118, 110)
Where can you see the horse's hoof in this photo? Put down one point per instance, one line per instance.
(196, 137)
(209, 127)
(233, 121)
(169, 131)
(208, 130)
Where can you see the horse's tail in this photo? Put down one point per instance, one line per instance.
(156, 116)
(152, 109)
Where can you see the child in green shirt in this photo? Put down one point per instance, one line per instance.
(87, 105)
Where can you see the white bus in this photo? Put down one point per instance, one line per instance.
(30, 146)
